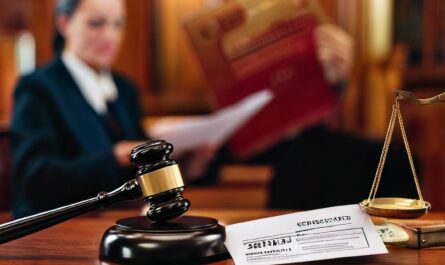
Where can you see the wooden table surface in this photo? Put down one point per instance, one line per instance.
(77, 241)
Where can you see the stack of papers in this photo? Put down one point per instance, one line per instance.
(214, 129)
(335, 232)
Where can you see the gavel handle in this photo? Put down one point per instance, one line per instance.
(28, 225)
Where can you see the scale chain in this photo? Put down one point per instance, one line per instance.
(410, 158)
(395, 114)
(383, 155)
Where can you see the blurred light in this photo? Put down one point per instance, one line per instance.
(380, 28)
(25, 53)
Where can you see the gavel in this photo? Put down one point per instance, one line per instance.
(158, 180)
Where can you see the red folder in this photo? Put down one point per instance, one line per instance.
(248, 45)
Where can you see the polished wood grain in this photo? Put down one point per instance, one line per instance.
(77, 241)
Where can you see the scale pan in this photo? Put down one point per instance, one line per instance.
(395, 207)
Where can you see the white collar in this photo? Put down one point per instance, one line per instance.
(97, 89)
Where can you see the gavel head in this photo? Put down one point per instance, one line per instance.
(160, 180)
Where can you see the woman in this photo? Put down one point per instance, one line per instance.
(74, 121)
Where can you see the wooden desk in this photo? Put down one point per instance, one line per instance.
(77, 241)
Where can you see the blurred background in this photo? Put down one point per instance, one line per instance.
(399, 44)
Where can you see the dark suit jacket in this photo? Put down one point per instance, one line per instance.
(62, 151)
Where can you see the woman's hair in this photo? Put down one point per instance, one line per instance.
(67, 8)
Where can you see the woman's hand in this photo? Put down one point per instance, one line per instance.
(122, 151)
(335, 49)
(196, 162)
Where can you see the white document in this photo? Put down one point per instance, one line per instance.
(213, 129)
(335, 232)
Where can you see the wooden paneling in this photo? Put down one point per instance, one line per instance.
(330, 8)
(7, 75)
(179, 81)
(30, 15)
(16, 16)
(134, 58)
(428, 67)
(40, 24)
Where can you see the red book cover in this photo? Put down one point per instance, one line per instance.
(249, 45)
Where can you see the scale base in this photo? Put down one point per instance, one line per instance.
(183, 240)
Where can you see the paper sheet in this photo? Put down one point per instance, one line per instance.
(342, 231)
(213, 129)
